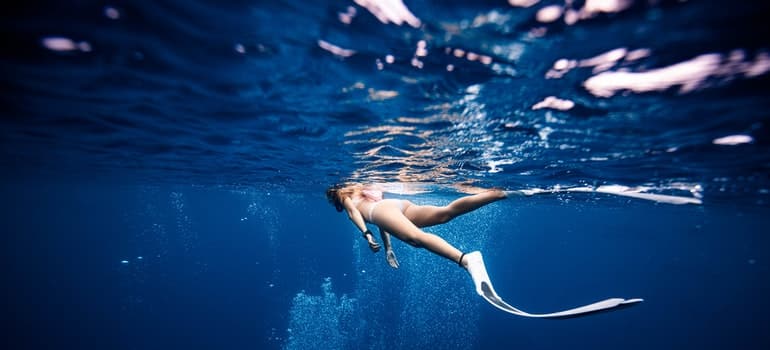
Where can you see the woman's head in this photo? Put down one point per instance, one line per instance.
(332, 194)
(337, 193)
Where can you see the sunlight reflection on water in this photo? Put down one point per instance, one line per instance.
(520, 93)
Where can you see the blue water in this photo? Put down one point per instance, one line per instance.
(164, 163)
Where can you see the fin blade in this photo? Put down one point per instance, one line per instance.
(484, 288)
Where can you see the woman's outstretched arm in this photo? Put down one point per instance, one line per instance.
(389, 255)
(354, 215)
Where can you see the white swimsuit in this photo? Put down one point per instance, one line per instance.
(375, 196)
(371, 208)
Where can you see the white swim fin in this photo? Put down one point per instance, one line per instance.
(484, 288)
(637, 192)
(633, 192)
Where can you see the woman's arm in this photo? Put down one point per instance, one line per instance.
(389, 255)
(385, 239)
(355, 216)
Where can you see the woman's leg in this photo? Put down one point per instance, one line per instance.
(429, 215)
(388, 216)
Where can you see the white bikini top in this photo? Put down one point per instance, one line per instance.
(370, 195)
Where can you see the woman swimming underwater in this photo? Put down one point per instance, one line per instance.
(404, 219)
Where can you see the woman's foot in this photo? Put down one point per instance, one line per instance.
(526, 192)
(513, 193)
(499, 193)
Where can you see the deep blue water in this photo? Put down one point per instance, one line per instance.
(164, 163)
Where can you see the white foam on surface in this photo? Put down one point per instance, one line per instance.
(390, 11)
(554, 102)
(689, 75)
(733, 140)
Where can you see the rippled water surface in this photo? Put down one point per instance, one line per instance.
(524, 93)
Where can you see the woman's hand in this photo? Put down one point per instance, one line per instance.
(374, 246)
(391, 258)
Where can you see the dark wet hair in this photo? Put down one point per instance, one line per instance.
(333, 196)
